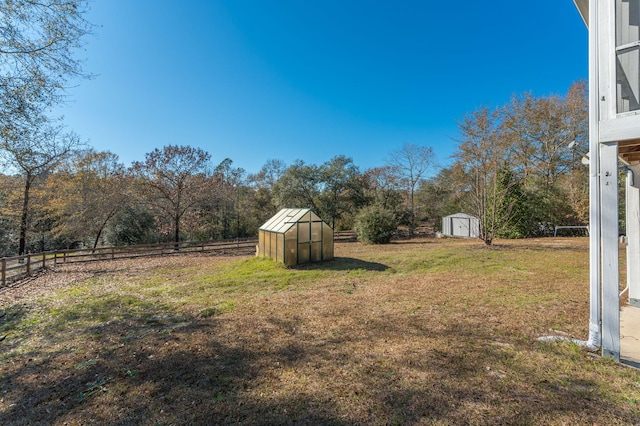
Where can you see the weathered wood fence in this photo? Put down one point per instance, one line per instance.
(18, 267)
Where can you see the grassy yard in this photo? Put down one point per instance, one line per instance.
(436, 332)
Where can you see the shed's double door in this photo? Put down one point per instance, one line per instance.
(461, 227)
(309, 241)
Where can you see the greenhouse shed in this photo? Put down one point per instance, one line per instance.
(461, 225)
(295, 236)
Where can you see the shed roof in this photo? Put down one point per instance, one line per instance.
(282, 221)
(465, 215)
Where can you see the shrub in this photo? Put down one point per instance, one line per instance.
(375, 225)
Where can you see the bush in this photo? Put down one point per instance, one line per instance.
(375, 225)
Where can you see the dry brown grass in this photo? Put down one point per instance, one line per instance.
(419, 332)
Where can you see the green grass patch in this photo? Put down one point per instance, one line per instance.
(219, 309)
(100, 308)
(440, 332)
(251, 273)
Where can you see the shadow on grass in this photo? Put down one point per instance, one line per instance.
(553, 245)
(9, 319)
(342, 264)
(147, 368)
(146, 365)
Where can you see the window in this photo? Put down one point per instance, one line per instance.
(627, 55)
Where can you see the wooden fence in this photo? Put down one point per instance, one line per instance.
(345, 236)
(18, 267)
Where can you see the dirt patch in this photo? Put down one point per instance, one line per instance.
(66, 275)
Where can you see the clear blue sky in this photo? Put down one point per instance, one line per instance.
(293, 79)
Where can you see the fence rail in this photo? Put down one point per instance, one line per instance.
(344, 236)
(17, 267)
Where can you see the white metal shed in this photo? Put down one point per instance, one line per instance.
(461, 225)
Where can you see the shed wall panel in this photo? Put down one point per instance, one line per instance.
(316, 251)
(272, 245)
(446, 225)
(261, 243)
(304, 253)
(316, 231)
(327, 242)
(280, 249)
(291, 247)
(304, 232)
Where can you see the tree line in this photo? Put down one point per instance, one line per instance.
(513, 167)
(89, 198)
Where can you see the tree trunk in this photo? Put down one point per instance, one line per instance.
(104, 225)
(25, 214)
(95, 242)
(177, 235)
(413, 215)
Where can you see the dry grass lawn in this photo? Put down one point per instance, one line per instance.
(438, 332)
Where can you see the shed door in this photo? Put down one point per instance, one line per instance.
(460, 227)
(304, 242)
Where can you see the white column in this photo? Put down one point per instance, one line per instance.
(610, 250)
(594, 181)
(633, 233)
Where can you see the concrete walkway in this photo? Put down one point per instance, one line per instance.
(630, 335)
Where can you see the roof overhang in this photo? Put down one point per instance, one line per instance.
(583, 8)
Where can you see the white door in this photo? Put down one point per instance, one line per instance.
(460, 226)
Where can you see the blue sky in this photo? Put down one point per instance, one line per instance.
(253, 80)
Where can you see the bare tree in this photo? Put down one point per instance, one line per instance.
(381, 187)
(229, 183)
(411, 164)
(541, 128)
(482, 170)
(172, 181)
(86, 194)
(39, 41)
(33, 153)
(268, 174)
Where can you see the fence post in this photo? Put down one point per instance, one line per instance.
(28, 264)
(44, 260)
(4, 271)
(55, 257)
(113, 253)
